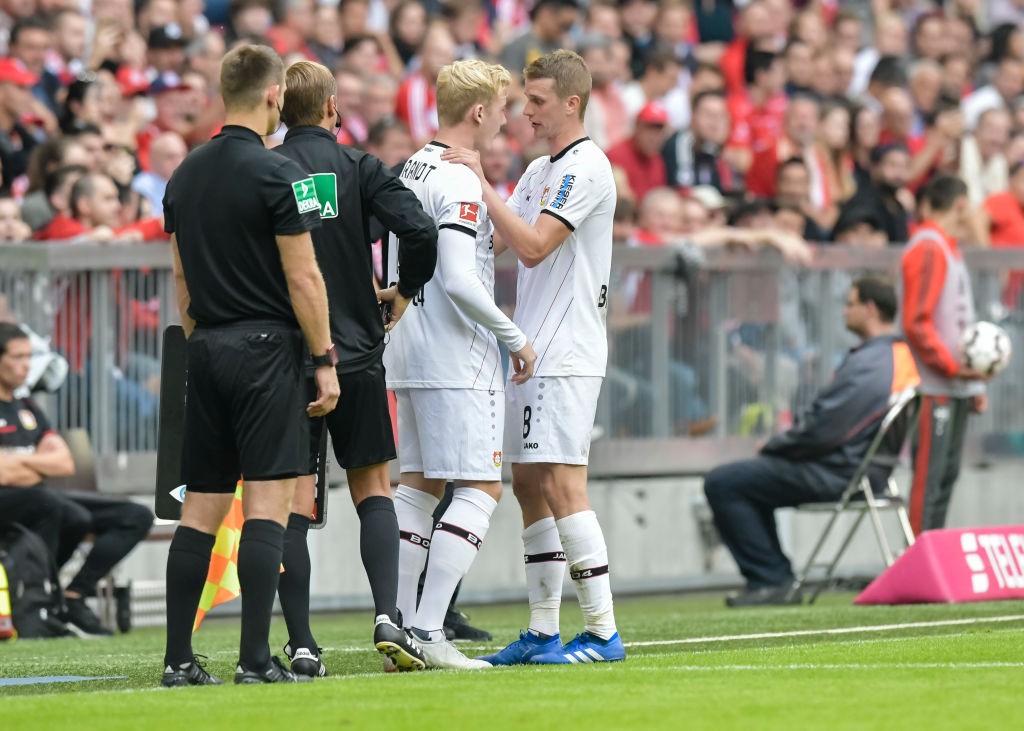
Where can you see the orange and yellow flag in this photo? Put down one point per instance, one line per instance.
(222, 578)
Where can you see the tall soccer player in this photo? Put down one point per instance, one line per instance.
(444, 365)
(558, 221)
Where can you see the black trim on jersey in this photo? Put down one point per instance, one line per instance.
(458, 227)
(435, 143)
(544, 557)
(414, 538)
(470, 538)
(589, 573)
(552, 213)
(560, 155)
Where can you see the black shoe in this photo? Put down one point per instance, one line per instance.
(274, 672)
(123, 608)
(397, 645)
(81, 620)
(461, 629)
(190, 673)
(766, 596)
(305, 662)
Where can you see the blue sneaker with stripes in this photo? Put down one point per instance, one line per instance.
(523, 650)
(585, 648)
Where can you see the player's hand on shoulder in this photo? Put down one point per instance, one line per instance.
(523, 362)
(327, 392)
(393, 304)
(464, 156)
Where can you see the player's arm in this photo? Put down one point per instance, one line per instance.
(456, 263)
(181, 289)
(52, 457)
(532, 244)
(15, 473)
(308, 295)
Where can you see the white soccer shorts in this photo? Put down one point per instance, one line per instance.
(550, 419)
(450, 433)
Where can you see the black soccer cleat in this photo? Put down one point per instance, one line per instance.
(457, 623)
(189, 673)
(274, 672)
(305, 662)
(397, 645)
(81, 620)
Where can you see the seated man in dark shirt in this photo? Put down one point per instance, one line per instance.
(30, 453)
(814, 460)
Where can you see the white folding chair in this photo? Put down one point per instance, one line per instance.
(860, 499)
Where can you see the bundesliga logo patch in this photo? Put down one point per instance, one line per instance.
(469, 212)
(305, 195)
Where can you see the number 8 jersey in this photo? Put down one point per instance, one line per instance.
(562, 303)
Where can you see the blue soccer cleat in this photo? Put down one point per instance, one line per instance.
(583, 649)
(523, 650)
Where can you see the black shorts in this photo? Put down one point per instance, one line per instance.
(360, 426)
(244, 406)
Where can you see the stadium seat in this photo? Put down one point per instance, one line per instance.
(862, 498)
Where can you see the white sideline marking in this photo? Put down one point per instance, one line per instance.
(832, 666)
(832, 631)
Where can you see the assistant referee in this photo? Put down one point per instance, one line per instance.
(351, 186)
(247, 281)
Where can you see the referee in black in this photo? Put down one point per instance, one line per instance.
(351, 186)
(247, 281)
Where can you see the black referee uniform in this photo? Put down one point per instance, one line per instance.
(352, 186)
(246, 396)
(226, 203)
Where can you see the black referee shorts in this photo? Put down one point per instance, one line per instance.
(360, 426)
(244, 406)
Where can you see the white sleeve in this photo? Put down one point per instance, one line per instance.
(578, 192)
(456, 263)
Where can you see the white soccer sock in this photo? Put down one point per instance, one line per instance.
(587, 556)
(545, 572)
(415, 511)
(453, 547)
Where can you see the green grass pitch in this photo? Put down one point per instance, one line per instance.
(689, 667)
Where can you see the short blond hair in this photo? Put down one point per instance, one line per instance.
(569, 73)
(462, 84)
(308, 86)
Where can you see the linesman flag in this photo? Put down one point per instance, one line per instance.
(222, 578)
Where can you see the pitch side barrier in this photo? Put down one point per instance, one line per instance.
(710, 351)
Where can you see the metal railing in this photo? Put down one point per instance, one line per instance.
(721, 344)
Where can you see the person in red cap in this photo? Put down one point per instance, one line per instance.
(16, 140)
(640, 155)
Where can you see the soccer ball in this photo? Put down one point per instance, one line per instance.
(986, 348)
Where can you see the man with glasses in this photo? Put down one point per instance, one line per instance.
(815, 459)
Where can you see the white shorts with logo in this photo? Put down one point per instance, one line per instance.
(550, 419)
(450, 433)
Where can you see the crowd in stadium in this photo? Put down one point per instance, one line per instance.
(822, 118)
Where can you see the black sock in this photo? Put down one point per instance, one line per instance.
(378, 546)
(188, 562)
(259, 565)
(293, 584)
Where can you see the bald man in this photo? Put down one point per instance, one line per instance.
(165, 154)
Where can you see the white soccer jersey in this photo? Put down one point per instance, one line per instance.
(435, 345)
(562, 303)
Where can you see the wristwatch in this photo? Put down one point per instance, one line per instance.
(330, 358)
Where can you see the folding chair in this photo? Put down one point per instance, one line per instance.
(860, 498)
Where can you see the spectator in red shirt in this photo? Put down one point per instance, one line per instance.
(800, 127)
(416, 105)
(640, 155)
(757, 111)
(1005, 213)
